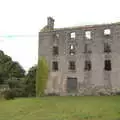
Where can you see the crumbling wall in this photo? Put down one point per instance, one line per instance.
(89, 81)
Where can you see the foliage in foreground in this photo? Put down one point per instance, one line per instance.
(41, 76)
(13, 75)
(30, 82)
(9, 68)
(7, 94)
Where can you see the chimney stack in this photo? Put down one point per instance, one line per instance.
(50, 23)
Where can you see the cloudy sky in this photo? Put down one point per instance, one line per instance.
(21, 20)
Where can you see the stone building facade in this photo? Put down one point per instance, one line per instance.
(83, 59)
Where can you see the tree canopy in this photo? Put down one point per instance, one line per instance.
(9, 68)
(30, 81)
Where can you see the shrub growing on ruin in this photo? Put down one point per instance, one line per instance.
(41, 77)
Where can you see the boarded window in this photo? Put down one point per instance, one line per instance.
(72, 35)
(88, 34)
(55, 50)
(107, 48)
(71, 84)
(107, 65)
(107, 32)
(72, 50)
(88, 65)
(72, 65)
(55, 66)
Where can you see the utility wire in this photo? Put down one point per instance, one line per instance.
(12, 36)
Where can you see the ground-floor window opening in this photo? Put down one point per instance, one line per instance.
(55, 66)
(107, 66)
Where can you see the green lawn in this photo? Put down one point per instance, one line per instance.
(61, 108)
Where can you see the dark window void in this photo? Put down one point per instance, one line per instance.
(72, 65)
(55, 50)
(72, 50)
(88, 65)
(86, 50)
(107, 48)
(71, 84)
(107, 65)
(55, 66)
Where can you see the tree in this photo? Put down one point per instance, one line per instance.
(11, 74)
(30, 81)
(14, 69)
(41, 76)
(9, 68)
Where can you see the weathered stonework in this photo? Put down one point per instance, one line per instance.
(101, 75)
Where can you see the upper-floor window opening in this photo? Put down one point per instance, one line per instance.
(55, 66)
(107, 32)
(72, 50)
(87, 49)
(88, 35)
(55, 50)
(72, 65)
(72, 35)
(88, 65)
(107, 48)
(71, 47)
(57, 35)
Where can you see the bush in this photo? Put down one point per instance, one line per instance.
(117, 93)
(41, 77)
(18, 92)
(8, 94)
(53, 94)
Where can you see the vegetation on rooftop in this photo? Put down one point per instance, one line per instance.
(44, 29)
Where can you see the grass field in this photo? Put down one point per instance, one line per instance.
(61, 108)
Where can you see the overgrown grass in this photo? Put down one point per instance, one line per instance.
(61, 108)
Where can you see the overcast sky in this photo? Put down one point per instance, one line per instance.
(27, 17)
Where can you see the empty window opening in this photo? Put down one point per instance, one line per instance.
(86, 50)
(55, 66)
(72, 35)
(71, 47)
(72, 84)
(107, 32)
(55, 50)
(107, 65)
(57, 35)
(88, 65)
(107, 48)
(72, 65)
(72, 50)
(88, 34)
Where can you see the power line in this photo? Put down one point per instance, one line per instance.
(13, 36)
